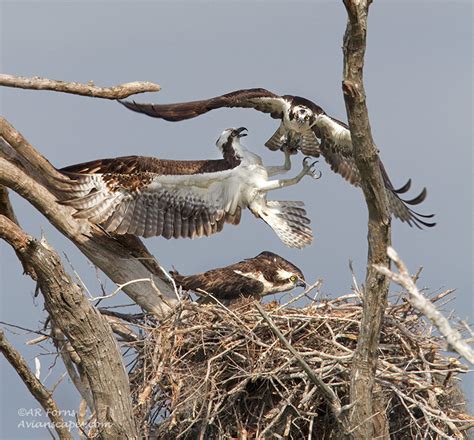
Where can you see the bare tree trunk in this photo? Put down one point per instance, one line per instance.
(379, 227)
(87, 331)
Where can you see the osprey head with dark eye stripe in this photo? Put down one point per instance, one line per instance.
(302, 111)
(265, 274)
(305, 127)
(228, 142)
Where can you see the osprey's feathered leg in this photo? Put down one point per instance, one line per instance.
(272, 171)
(287, 219)
(308, 170)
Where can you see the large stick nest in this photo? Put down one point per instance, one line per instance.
(210, 372)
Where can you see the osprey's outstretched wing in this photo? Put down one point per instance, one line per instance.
(148, 196)
(259, 99)
(336, 147)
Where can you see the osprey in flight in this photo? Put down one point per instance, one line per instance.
(147, 196)
(265, 274)
(302, 124)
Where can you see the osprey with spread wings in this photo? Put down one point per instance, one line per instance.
(304, 126)
(147, 196)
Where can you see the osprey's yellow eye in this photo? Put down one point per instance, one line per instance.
(293, 278)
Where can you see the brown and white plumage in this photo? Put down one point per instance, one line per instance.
(304, 126)
(265, 274)
(147, 196)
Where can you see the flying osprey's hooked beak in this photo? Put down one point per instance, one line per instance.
(239, 132)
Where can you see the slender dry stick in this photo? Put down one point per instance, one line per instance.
(333, 401)
(36, 388)
(379, 230)
(120, 91)
(425, 306)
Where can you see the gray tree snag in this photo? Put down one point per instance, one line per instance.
(364, 411)
(87, 331)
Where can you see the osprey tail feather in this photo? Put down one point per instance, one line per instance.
(288, 220)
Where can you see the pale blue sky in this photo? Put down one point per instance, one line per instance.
(418, 81)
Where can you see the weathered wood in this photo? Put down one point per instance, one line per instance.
(379, 223)
(87, 331)
(120, 91)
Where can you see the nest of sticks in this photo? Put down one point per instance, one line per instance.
(211, 372)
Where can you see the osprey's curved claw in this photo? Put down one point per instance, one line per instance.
(309, 168)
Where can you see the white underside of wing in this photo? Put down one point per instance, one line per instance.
(276, 104)
(220, 190)
(335, 133)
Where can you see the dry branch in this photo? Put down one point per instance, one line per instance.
(121, 258)
(379, 230)
(424, 305)
(87, 331)
(117, 92)
(36, 388)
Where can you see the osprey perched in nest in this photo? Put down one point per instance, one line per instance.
(147, 196)
(302, 124)
(265, 274)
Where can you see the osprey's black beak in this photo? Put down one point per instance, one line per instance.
(301, 283)
(240, 130)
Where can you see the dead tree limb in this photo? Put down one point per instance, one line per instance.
(117, 92)
(426, 307)
(121, 258)
(87, 331)
(379, 230)
(36, 388)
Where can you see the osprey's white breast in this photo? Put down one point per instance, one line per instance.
(252, 176)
